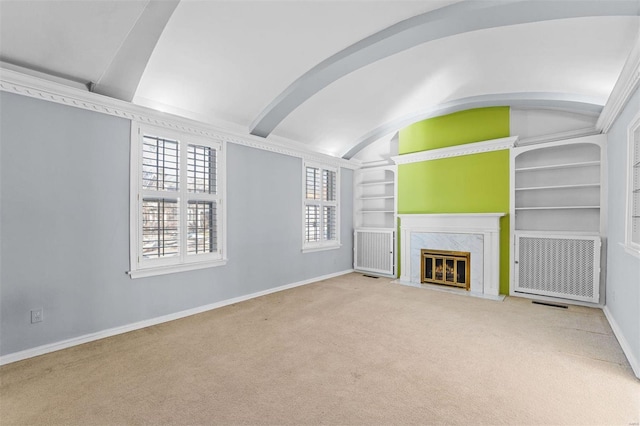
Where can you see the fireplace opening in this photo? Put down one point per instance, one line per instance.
(445, 268)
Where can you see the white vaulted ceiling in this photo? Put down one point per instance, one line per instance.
(332, 76)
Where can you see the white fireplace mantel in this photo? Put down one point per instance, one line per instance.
(485, 224)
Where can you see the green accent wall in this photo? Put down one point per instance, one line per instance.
(477, 183)
(474, 125)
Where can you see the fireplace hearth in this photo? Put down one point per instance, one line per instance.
(444, 267)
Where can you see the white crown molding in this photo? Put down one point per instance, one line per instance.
(456, 151)
(12, 81)
(571, 134)
(623, 90)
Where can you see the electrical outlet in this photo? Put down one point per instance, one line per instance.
(36, 315)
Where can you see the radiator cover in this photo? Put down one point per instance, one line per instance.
(373, 251)
(564, 266)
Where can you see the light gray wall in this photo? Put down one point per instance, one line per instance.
(623, 270)
(64, 185)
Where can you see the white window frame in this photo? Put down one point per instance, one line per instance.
(633, 171)
(141, 267)
(323, 244)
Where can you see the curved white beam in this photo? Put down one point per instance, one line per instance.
(122, 77)
(448, 21)
(560, 101)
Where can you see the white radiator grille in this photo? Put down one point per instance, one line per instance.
(374, 251)
(560, 266)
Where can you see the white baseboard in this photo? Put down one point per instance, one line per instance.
(626, 348)
(56, 346)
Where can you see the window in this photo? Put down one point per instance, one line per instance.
(176, 202)
(632, 239)
(321, 208)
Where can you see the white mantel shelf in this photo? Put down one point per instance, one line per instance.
(485, 224)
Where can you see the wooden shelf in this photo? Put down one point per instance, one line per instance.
(558, 166)
(580, 185)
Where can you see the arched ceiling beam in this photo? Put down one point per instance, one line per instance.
(448, 21)
(559, 101)
(121, 79)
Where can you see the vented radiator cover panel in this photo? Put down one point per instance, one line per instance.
(558, 265)
(374, 251)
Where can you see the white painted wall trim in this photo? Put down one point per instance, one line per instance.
(456, 151)
(486, 224)
(12, 81)
(624, 344)
(56, 346)
(624, 88)
(554, 137)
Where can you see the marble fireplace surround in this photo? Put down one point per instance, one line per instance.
(477, 233)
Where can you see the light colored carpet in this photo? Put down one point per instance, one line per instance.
(350, 350)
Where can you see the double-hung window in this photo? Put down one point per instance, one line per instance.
(176, 202)
(632, 238)
(321, 207)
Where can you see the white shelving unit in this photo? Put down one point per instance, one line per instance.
(557, 188)
(375, 196)
(375, 220)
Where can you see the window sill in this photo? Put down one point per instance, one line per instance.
(163, 270)
(631, 250)
(321, 248)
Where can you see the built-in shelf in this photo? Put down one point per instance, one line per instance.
(382, 182)
(579, 185)
(558, 208)
(556, 186)
(558, 166)
(556, 200)
(382, 197)
(375, 197)
(375, 220)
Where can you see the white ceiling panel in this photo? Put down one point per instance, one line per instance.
(580, 56)
(228, 59)
(76, 39)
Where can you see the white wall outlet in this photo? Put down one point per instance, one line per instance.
(36, 315)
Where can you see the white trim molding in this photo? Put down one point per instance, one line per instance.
(624, 88)
(554, 137)
(631, 242)
(56, 346)
(485, 224)
(12, 81)
(624, 344)
(456, 151)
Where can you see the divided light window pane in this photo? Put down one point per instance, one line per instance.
(160, 164)
(160, 218)
(201, 169)
(329, 185)
(329, 223)
(201, 227)
(313, 183)
(312, 223)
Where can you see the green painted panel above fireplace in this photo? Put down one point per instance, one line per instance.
(462, 127)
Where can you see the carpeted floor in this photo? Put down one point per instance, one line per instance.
(350, 350)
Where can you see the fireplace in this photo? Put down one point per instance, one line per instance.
(445, 267)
